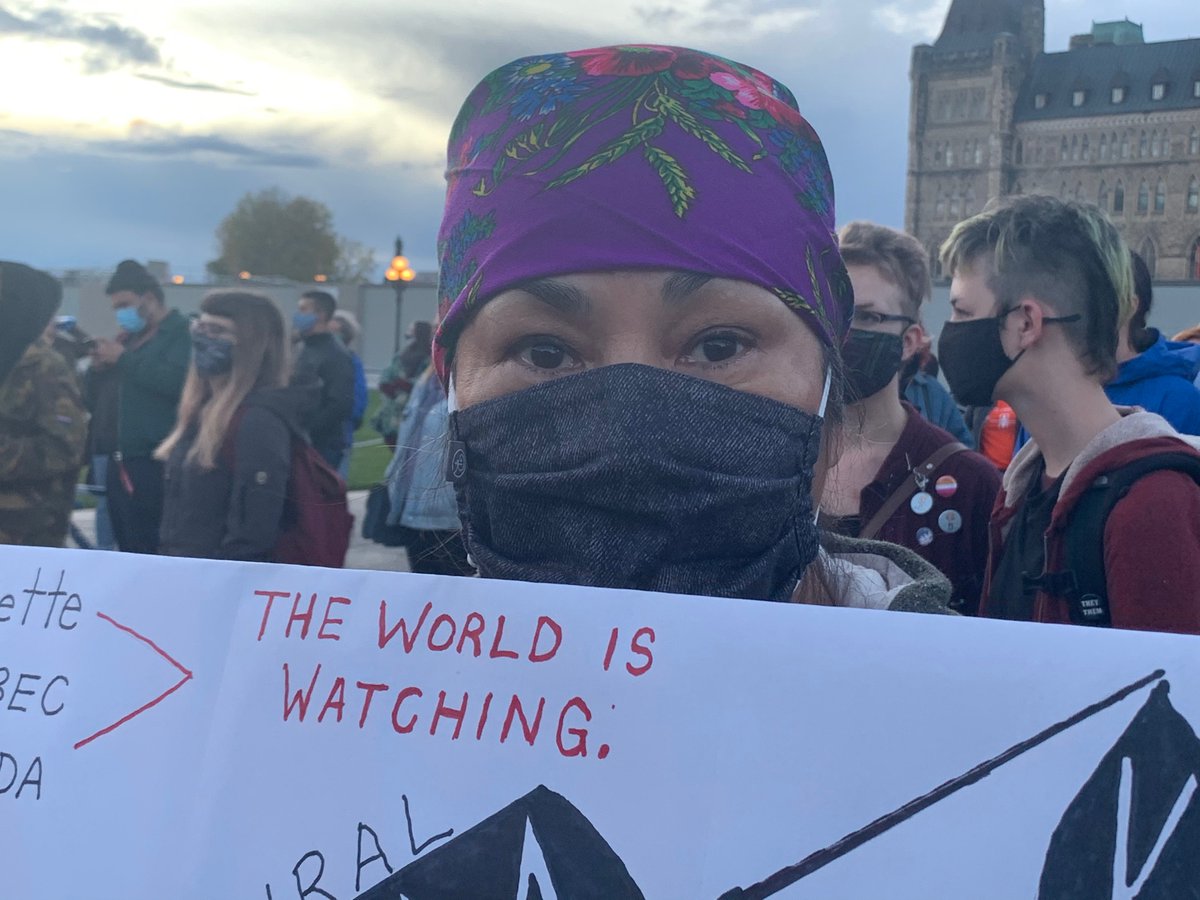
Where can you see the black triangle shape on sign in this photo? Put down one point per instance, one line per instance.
(484, 863)
(1137, 816)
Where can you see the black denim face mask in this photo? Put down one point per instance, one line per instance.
(631, 476)
(973, 358)
(872, 359)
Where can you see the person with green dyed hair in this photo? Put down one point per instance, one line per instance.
(1040, 290)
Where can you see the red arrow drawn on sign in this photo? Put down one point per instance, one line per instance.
(187, 676)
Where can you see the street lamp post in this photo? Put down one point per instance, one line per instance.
(399, 274)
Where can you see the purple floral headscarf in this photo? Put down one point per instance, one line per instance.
(637, 157)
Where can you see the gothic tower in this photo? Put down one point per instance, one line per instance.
(961, 121)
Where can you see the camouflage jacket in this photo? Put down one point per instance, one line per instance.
(43, 429)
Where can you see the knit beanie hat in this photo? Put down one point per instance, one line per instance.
(131, 275)
(28, 300)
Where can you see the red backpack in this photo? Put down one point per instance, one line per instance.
(316, 517)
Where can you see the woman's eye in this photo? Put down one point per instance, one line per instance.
(546, 355)
(718, 348)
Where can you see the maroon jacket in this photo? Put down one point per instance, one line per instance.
(961, 555)
(1151, 538)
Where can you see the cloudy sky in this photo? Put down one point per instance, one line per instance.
(132, 127)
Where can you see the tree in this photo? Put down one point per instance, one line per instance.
(355, 262)
(276, 235)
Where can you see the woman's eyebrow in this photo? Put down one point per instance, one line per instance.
(565, 298)
(681, 285)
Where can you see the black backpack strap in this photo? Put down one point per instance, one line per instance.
(1084, 583)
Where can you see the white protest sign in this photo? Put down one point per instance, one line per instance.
(194, 729)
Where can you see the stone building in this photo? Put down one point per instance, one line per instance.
(1112, 120)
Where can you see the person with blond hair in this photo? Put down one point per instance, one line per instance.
(1041, 289)
(900, 478)
(228, 459)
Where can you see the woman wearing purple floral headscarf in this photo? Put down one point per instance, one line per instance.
(642, 305)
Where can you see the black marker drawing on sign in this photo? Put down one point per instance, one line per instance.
(1131, 833)
(311, 889)
(534, 882)
(539, 847)
(1134, 828)
(378, 856)
(788, 876)
(412, 841)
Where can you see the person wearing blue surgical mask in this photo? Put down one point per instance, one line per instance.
(146, 364)
(323, 358)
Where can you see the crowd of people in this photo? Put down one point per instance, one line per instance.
(659, 366)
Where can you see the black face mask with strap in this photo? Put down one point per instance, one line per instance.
(973, 358)
(871, 359)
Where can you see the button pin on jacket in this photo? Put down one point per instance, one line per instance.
(921, 503)
(260, 478)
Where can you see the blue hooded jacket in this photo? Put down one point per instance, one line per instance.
(1160, 380)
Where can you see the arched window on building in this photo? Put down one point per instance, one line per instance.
(1193, 195)
(1019, 153)
(1084, 150)
(1160, 196)
(1104, 146)
(939, 154)
(1155, 144)
(949, 154)
(978, 153)
(1102, 196)
(1078, 195)
(1194, 141)
(1194, 261)
(969, 202)
(1119, 198)
(1064, 149)
(1143, 198)
(939, 209)
(1166, 142)
(955, 205)
(1149, 256)
(1143, 145)
(1125, 145)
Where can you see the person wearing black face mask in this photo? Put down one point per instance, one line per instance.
(1040, 289)
(228, 458)
(645, 385)
(900, 478)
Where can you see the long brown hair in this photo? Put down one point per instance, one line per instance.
(260, 360)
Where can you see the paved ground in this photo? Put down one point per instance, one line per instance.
(363, 554)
